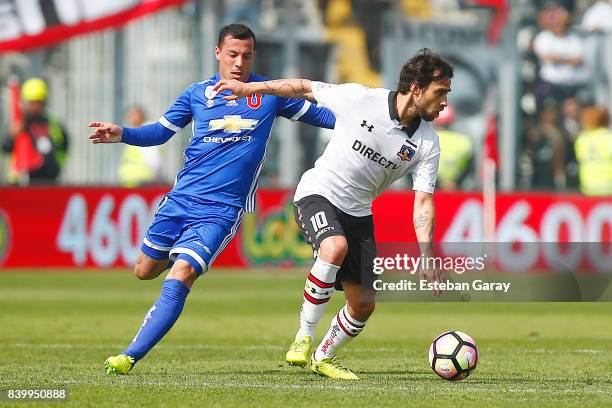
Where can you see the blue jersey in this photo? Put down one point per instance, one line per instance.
(227, 148)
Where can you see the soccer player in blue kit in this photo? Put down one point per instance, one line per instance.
(200, 215)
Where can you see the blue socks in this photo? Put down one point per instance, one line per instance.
(159, 319)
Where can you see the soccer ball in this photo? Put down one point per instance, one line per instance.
(453, 355)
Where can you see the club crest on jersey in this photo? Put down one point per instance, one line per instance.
(232, 124)
(209, 93)
(406, 153)
(254, 101)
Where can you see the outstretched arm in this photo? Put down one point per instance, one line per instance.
(147, 135)
(176, 118)
(288, 88)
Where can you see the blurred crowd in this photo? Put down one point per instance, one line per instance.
(564, 141)
(560, 114)
(561, 50)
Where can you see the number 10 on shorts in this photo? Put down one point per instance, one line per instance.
(318, 221)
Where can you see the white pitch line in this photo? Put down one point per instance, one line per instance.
(254, 385)
(592, 351)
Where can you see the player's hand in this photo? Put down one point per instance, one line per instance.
(105, 132)
(237, 88)
(432, 276)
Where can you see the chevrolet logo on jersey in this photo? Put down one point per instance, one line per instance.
(232, 124)
(228, 139)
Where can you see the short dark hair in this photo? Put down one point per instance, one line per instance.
(422, 69)
(238, 31)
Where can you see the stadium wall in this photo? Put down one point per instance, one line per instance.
(103, 227)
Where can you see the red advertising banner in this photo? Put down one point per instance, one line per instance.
(32, 24)
(103, 227)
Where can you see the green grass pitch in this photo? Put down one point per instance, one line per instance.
(227, 349)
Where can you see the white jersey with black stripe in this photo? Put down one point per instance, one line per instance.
(369, 149)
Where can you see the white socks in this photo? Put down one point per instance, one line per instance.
(343, 328)
(317, 292)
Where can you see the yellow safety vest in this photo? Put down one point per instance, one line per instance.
(133, 169)
(456, 152)
(55, 131)
(594, 153)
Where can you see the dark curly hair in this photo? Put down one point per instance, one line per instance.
(422, 69)
(238, 31)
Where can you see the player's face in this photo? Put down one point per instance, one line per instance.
(235, 58)
(35, 108)
(431, 100)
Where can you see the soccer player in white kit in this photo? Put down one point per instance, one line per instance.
(380, 135)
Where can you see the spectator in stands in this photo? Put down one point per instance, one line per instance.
(571, 117)
(560, 55)
(594, 152)
(545, 151)
(140, 166)
(570, 126)
(456, 149)
(38, 143)
(598, 17)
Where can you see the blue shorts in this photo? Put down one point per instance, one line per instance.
(193, 230)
